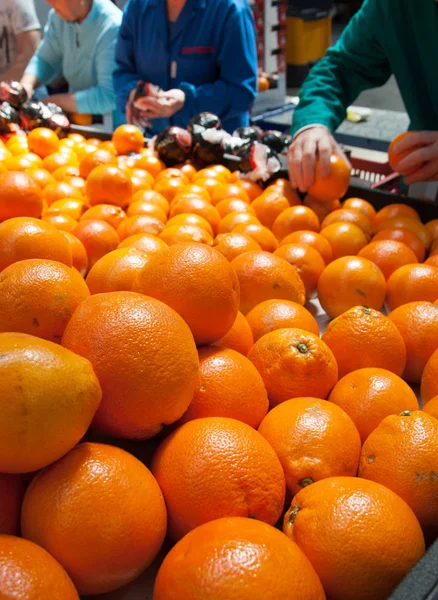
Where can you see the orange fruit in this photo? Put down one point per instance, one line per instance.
(76, 137)
(313, 439)
(113, 215)
(81, 150)
(97, 237)
(151, 164)
(412, 283)
(251, 188)
(345, 239)
(152, 197)
(351, 281)
(395, 157)
(116, 271)
(229, 385)
(362, 337)
(11, 497)
(127, 138)
(314, 240)
(236, 558)
(20, 196)
(65, 173)
(335, 184)
(227, 190)
(44, 388)
(78, 252)
(388, 255)
(280, 314)
(432, 226)
(364, 207)
(269, 206)
(431, 407)
(190, 219)
(123, 539)
(406, 237)
(192, 189)
(41, 177)
(188, 170)
(197, 206)
(199, 283)
(321, 209)
(391, 211)
(432, 260)
(177, 234)
(429, 379)
(239, 337)
(73, 207)
(210, 173)
(260, 234)
(287, 190)
(95, 159)
(307, 261)
(217, 467)
(233, 205)
(30, 573)
(23, 162)
(60, 221)
(233, 244)
(293, 219)
(139, 224)
(42, 141)
(141, 180)
(224, 171)
(78, 183)
(173, 173)
(418, 324)
(39, 296)
(60, 189)
(147, 208)
(169, 187)
(60, 159)
(347, 215)
(108, 185)
(369, 395)
(402, 454)
(147, 243)
(141, 350)
(230, 222)
(263, 276)
(294, 363)
(412, 225)
(337, 520)
(25, 237)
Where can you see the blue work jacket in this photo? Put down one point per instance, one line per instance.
(209, 53)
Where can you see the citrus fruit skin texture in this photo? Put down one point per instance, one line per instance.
(429, 379)
(100, 549)
(334, 185)
(144, 357)
(198, 283)
(431, 407)
(20, 196)
(294, 363)
(369, 395)
(313, 440)
(280, 314)
(239, 337)
(48, 397)
(363, 337)
(236, 558)
(402, 454)
(39, 296)
(216, 467)
(28, 572)
(229, 386)
(350, 525)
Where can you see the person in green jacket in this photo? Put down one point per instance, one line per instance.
(385, 37)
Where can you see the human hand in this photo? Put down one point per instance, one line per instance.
(310, 144)
(164, 105)
(134, 115)
(28, 86)
(422, 159)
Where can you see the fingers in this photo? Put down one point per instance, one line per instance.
(428, 172)
(325, 150)
(416, 159)
(416, 138)
(295, 165)
(308, 162)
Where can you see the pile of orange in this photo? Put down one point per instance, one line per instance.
(163, 373)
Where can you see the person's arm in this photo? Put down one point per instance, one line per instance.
(356, 63)
(125, 76)
(45, 64)
(27, 42)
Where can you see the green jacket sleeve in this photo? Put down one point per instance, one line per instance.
(356, 63)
